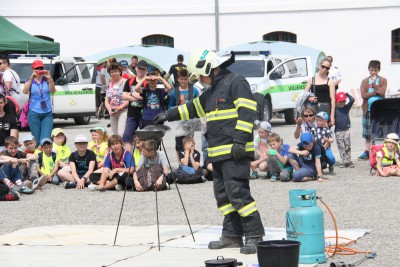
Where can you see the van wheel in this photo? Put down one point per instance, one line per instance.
(267, 110)
(82, 120)
(289, 116)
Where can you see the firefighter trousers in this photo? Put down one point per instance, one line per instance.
(232, 192)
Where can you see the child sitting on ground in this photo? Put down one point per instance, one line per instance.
(48, 163)
(278, 160)
(342, 128)
(82, 163)
(30, 172)
(189, 171)
(260, 149)
(118, 165)
(10, 174)
(385, 159)
(137, 152)
(99, 145)
(59, 146)
(310, 159)
(152, 169)
(323, 135)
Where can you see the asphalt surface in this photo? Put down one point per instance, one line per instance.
(357, 199)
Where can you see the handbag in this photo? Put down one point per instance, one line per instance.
(24, 114)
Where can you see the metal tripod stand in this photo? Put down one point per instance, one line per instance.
(180, 197)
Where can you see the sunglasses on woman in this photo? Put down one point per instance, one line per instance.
(325, 67)
(308, 115)
(39, 68)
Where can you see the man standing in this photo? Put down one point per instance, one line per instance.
(174, 70)
(132, 67)
(10, 77)
(230, 111)
(334, 73)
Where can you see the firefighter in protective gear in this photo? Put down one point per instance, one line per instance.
(230, 111)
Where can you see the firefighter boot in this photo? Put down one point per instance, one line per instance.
(251, 245)
(226, 242)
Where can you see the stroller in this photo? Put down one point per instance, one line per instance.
(385, 119)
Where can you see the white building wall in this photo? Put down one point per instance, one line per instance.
(352, 31)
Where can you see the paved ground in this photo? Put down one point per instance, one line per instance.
(357, 199)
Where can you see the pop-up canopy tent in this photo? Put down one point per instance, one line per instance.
(14, 39)
(161, 57)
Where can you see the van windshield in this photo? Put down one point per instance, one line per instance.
(248, 68)
(24, 70)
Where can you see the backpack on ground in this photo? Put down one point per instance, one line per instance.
(372, 155)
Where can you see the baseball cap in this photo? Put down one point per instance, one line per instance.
(46, 140)
(97, 129)
(28, 138)
(81, 138)
(323, 115)
(306, 138)
(180, 57)
(341, 97)
(265, 125)
(142, 64)
(123, 63)
(37, 63)
(56, 131)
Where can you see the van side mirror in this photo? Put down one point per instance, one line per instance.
(62, 81)
(275, 75)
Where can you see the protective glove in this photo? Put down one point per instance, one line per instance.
(238, 151)
(160, 118)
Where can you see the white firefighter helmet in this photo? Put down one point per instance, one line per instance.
(202, 61)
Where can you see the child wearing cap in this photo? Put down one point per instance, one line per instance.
(323, 135)
(99, 145)
(309, 159)
(82, 163)
(59, 146)
(48, 163)
(30, 172)
(260, 149)
(10, 174)
(385, 159)
(342, 128)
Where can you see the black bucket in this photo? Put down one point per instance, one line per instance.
(278, 253)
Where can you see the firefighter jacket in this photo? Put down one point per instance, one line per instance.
(230, 111)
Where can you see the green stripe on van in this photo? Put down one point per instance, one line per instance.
(284, 88)
(79, 92)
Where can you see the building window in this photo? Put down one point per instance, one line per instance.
(280, 36)
(396, 45)
(158, 39)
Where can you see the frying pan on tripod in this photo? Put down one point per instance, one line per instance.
(152, 131)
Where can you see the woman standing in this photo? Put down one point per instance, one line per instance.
(39, 86)
(324, 90)
(116, 106)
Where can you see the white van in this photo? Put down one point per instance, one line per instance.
(280, 79)
(75, 82)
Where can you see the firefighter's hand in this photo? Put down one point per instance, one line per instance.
(160, 118)
(238, 151)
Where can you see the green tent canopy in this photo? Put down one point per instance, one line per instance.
(14, 39)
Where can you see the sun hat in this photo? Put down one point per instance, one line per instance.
(393, 136)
